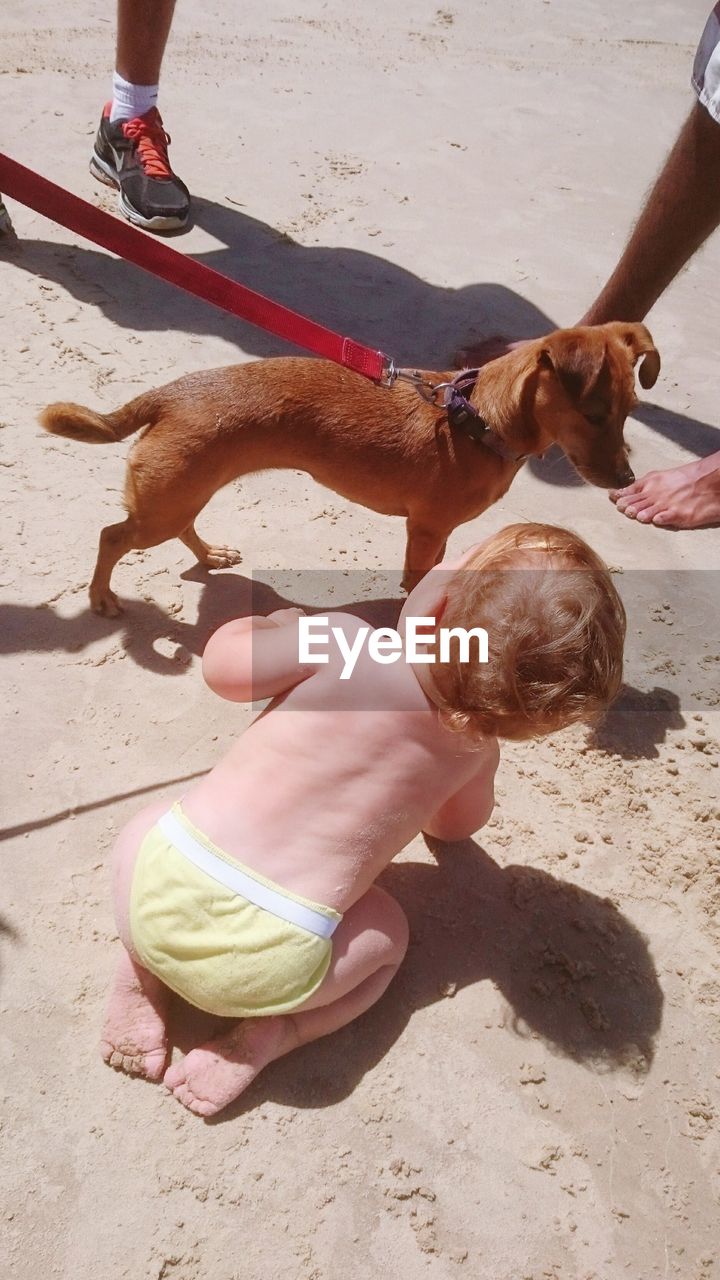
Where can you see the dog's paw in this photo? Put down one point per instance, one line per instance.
(105, 604)
(221, 557)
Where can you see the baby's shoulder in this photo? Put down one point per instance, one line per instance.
(332, 641)
(325, 629)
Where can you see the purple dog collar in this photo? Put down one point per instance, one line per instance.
(463, 416)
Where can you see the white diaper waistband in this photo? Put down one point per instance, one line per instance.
(241, 882)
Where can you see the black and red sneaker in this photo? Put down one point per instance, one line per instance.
(132, 155)
(6, 226)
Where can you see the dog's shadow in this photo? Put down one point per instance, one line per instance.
(161, 643)
(636, 724)
(572, 970)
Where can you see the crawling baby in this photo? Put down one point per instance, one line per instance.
(253, 896)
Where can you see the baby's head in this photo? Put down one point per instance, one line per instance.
(555, 627)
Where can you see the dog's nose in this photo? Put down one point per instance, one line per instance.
(625, 478)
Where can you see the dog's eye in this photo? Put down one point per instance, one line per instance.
(596, 419)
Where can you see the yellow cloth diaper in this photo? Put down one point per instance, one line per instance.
(218, 934)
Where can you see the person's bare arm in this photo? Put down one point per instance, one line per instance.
(255, 658)
(471, 806)
(680, 212)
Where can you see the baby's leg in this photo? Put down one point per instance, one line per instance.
(134, 1036)
(368, 947)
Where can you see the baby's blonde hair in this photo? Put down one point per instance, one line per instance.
(556, 628)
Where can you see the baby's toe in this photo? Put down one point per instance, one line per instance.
(175, 1076)
(184, 1095)
(149, 1063)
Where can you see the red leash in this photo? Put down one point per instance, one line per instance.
(160, 260)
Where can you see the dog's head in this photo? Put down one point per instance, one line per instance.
(585, 390)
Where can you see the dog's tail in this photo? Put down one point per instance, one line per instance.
(78, 423)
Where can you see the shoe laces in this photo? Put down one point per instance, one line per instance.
(151, 143)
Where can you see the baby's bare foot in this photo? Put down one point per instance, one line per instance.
(134, 1036)
(215, 1074)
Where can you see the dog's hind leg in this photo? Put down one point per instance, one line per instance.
(115, 541)
(212, 557)
(135, 533)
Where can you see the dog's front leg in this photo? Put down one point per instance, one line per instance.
(425, 547)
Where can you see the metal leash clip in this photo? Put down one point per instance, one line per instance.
(389, 372)
(428, 391)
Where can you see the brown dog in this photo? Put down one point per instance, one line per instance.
(386, 448)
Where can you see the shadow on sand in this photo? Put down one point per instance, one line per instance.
(574, 971)
(363, 295)
(638, 723)
(225, 595)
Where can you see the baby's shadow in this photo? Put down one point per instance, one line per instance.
(575, 973)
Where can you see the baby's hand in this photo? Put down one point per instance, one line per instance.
(283, 616)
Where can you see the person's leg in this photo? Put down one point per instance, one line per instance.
(142, 33)
(143, 27)
(131, 147)
(368, 947)
(681, 211)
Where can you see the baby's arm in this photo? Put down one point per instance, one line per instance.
(243, 666)
(469, 809)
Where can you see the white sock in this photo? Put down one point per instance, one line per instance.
(130, 100)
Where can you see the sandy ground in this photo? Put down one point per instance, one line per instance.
(537, 1095)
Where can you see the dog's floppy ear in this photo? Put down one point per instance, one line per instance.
(638, 339)
(577, 359)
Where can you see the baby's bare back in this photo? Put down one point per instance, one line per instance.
(330, 782)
